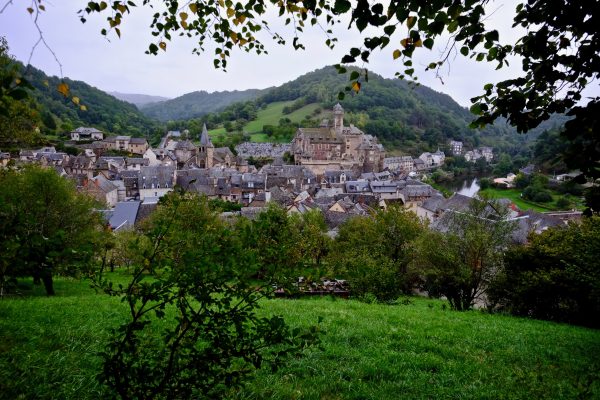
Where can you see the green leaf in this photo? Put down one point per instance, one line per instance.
(464, 51)
(428, 43)
(475, 109)
(354, 75)
(341, 6)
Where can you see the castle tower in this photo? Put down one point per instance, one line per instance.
(338, 117)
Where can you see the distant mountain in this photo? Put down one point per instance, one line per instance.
(139, 100)
(102, 111)
(196, 104)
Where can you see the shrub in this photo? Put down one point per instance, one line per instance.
(556, 276)
(485, 183)
(542, 196)
(563, 203)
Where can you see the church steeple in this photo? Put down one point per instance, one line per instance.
(205, 139)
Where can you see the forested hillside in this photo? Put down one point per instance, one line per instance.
(196, 104)
(103, 111)
(405, 118)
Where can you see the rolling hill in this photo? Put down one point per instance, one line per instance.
(196, 104)
(102, 111)
(405, 118)
(138, 99)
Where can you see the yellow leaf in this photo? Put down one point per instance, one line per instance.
(83, 108)
(243, 42)
(183, 16)
(163, 46)
(121, 8)
(356, 86)
(42, 7)
(18, 81)
(242, 18)
(410, 22)
(405, 42)
(75, 100)
(418, 43)
(222, 3)
(230, 12)
(30, 10)
(46, 83)
(63, 88)
(184, 24)
(396, 54)
(194, 8)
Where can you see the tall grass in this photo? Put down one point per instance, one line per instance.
(49, 350)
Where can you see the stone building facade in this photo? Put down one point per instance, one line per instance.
(333, 146)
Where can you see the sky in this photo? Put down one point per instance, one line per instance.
(121, 65)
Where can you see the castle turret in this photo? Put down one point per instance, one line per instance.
(338, 117)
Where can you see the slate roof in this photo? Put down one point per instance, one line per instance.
(205, 138)
(124, 214)
(434, 202)
(156, 177)
(357, 186)
(103, 184)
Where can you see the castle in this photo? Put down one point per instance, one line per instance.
(337, 147)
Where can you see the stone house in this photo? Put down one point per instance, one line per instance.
(456, 147)
(155, 181)
(126, 143)
(83, 133)
(102, 190)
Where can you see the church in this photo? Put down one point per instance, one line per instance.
(206, 155)
(333, 146)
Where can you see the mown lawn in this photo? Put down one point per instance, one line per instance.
(515, 196)
(420, 350)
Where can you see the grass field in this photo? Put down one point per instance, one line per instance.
(515, 196)
(269, 116)
(49, 346)
(274, 112)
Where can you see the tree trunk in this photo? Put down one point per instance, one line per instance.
(36, 277)
(47, 279)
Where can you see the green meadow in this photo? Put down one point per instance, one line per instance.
(270, 115)
(416, 349)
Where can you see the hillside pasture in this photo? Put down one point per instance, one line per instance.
(416, 349)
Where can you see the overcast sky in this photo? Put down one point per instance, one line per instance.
(121, 65)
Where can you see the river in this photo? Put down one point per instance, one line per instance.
(467, 187)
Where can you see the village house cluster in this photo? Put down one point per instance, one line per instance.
(483, 152)
(338, 171)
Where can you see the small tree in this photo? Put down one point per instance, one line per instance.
(459, 261)
(373, 253)
(45, 226)
(192, 330)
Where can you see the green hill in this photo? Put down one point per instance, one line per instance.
(405, 118)
(196, 104)
(103, 111)
(49, 349)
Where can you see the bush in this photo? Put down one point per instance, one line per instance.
(563, 203)
(542, 197)
(485, 183)
(555, 277)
